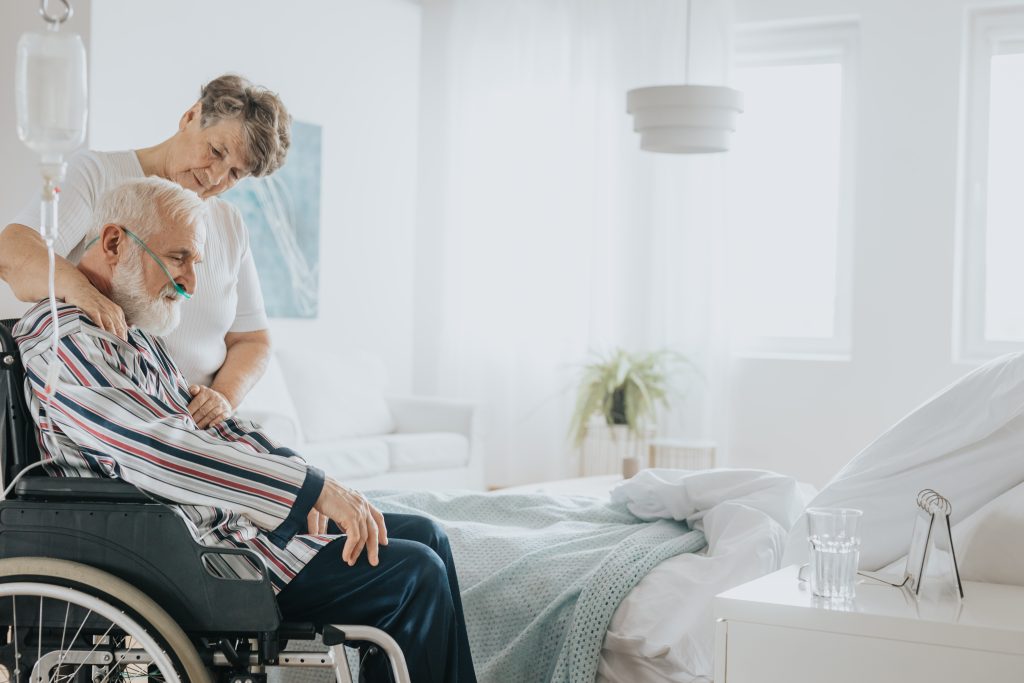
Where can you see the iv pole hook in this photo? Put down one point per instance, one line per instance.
(55, 21)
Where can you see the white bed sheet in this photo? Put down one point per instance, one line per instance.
(664, 629)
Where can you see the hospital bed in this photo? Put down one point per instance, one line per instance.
(663, 630)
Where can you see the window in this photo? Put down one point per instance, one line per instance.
(789, 192)
(990, 314)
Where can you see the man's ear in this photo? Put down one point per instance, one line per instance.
(112, 240)
(192, 114)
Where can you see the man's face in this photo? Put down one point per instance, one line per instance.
(140, 286)
(208, 160)
(179, 247)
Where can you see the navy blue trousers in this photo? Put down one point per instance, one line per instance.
(412, 595)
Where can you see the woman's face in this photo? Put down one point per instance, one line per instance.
(207, 160)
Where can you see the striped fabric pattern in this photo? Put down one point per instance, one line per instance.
(121, 411)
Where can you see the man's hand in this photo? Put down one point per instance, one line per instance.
(209, 407)
(361, 522)
(317, 522)
(104, 312)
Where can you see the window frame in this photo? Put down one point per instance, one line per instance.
(989, 31)
(835, 40)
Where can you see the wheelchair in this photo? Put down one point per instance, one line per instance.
(99, 582)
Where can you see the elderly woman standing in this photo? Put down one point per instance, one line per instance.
(222, 345)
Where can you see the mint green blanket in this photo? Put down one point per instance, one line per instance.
(541, 575)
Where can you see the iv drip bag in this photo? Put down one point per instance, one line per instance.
(50, 82)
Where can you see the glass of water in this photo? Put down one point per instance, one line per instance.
(834, 538)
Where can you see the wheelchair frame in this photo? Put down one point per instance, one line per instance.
(108, 532)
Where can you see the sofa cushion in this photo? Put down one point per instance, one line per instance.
(269, 404)
(348, 458)
(426, 451)
(337, 394)
(279, 426)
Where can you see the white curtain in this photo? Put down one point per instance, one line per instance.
(544, 232)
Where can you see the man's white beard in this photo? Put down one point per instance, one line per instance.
(157, 316)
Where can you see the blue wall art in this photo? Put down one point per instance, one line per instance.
(282, 212)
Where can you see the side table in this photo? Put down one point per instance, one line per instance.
(773, 630)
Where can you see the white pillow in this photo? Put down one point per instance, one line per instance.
(337, 394)
(987, 543)
(967, 443)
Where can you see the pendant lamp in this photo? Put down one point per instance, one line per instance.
(687, 118)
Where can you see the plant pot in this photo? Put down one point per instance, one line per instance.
(618, 414)
(630, 466)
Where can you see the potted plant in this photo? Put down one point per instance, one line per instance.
(625, 389)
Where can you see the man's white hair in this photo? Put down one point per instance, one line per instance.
(140, 205)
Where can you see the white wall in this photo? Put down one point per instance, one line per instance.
(351, 67)
(809, 417)
(354, 67)
(19, 179)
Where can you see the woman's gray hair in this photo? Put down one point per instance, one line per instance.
(142, 205)
(265, 121)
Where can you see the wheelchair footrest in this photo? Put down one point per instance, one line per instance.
(248, 678)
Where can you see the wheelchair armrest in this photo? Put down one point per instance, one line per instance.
(79, 489)
(296, 630)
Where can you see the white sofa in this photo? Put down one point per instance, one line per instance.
(331, 409)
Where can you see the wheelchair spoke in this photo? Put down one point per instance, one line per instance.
(96, 645)
(14, 633)
(39, 645)
(110, 643)
(63, 652)
(131, 672)
(64, 631)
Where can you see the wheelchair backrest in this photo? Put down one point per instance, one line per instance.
(19, 447)
(154, 552)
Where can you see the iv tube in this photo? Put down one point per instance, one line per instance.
(51, 103)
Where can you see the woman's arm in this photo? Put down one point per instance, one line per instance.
(24, 266)
(245, 363)
(248, 348)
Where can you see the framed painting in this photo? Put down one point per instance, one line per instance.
(282, 213)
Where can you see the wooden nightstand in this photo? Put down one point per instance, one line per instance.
(773, 630)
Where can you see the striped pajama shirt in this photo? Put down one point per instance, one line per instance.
(121, 411)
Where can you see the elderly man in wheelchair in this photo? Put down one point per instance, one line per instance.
(159, 550)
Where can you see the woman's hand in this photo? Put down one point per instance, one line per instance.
(104, 312)
(360, 521)
(209, 407)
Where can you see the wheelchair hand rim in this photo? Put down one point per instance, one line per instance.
(104, 609)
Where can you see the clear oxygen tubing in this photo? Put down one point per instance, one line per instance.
(53, 173)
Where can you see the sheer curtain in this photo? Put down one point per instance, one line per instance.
(544, 232)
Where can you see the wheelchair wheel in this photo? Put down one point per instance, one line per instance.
(64, 622)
